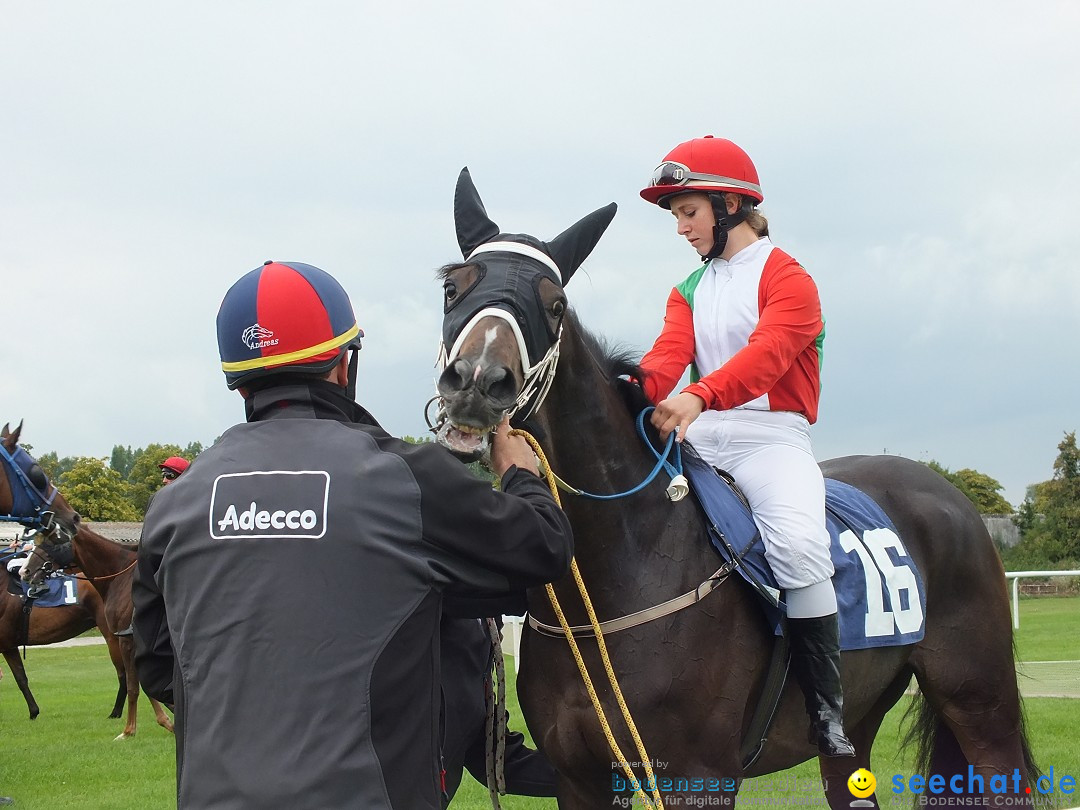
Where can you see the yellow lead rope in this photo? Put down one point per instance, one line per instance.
(656, 802)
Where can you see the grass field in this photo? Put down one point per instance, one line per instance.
(67, 757)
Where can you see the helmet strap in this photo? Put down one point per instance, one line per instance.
(724, 223)
(351, 388)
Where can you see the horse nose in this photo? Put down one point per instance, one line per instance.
(497, 383)
(456, 377)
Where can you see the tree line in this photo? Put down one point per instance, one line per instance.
(119, 488)
(1048, 520)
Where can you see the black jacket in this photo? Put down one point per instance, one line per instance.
(288, 596)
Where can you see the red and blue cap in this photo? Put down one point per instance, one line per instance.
(284, 317)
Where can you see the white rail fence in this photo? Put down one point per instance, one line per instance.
(1016, 576)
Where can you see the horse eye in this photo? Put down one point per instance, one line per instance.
(37, 477)
(450, 290)
(558, 308)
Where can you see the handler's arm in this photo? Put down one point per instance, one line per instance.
(153, 646)
(519, 535)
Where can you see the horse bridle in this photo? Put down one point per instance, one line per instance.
(35, 516)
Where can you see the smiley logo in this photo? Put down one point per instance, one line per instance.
(861, 783)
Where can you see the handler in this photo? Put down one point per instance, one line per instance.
(289, 586)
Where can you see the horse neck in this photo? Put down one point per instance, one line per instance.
(98, 556)
(595, 446)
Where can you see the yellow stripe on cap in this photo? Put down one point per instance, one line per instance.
(292, 357)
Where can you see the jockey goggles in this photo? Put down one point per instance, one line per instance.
(670, 173)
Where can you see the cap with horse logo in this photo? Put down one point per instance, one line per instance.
(284, 316)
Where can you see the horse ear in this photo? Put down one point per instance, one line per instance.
(474, 228)
(571, 247)
(8, 437)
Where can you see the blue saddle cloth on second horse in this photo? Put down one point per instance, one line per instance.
(62, 588)
(879, 592)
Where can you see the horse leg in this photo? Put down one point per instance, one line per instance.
(118, 663)
(835, 771)
(121, 693)
(972, 715)
(159, 713)
(572, 797)
(18, 672)
(127, 650)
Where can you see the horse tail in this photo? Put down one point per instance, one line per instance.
(935, 745)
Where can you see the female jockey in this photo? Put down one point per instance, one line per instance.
(748, 323)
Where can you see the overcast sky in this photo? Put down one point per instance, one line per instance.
(919, 158)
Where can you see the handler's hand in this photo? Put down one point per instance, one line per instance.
(677, 412)
(508, 451)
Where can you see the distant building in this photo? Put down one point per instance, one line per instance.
(1002, 529)
(126, 533)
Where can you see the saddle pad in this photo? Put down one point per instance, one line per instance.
(880, 594)
(62, 592)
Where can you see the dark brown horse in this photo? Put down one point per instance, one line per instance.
(106, 565)
(46, 625)
(693, 678)
(50, 625)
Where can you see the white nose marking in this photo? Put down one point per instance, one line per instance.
(489, 338)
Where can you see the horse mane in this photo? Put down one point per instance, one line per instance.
(620, 365)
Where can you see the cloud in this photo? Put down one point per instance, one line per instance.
(919, 161)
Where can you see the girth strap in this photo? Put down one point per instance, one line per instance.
(642, 616)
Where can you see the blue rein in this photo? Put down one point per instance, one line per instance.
(675, 470)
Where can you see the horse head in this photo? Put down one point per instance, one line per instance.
(503, 310)
(28, 498)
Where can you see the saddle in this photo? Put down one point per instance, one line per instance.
(880, 595)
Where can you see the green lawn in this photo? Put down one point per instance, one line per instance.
(1049, 629)
(67, 757)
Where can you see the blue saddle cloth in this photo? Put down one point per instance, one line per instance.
(62, 590)
(879, 592)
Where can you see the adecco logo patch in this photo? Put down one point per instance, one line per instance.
(272, 503)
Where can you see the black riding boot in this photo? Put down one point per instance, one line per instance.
(815, 659)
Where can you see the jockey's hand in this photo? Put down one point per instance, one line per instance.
(677, 412)
(508, 451)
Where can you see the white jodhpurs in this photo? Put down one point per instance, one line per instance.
(769, 455)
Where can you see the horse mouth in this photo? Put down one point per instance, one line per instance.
(464, 441)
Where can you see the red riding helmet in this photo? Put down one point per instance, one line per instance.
(174, 463)
(709, 165)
